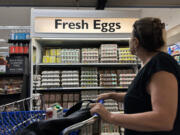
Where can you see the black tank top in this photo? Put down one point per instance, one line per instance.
(137, 99)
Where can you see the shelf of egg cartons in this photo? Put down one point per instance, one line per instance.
(89, 77)
(125, 56)
(86, 64)
(90, 55)
(88, 95)
(50, 79)
(36, 81)
(60, 56)
(70, 78)
(125, 77)
(108, 78)
(61, 89)
(108, 53)
(106, 128)
(121, 110)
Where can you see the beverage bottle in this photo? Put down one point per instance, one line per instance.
(49, 113)
(26, 48)
(11, 48)
(16, 48)
(21, 49)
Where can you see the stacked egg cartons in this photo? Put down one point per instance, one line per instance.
(89, 77)
(90, 55)
(89, 95)
(51, 55)
(58, 56)
(108, 78)
(70, 78)
(126, 77)
(125, 56)
(70, 55)
(36, 81)
(50, 79)
(121, 110)
(109, 53)
(37, 102)
(106, 128)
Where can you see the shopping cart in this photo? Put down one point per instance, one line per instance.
(14, 116)
(87, 127)
(12, 120)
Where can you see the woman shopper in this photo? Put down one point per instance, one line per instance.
(152, 102)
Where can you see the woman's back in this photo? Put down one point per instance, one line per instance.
(138, 100)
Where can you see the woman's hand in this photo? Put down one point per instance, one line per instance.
(100, 109)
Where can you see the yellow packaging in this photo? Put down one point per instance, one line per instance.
(58, 52)
(53, 52)
(47, 53)
(45, 59)
(58, 59)
(52, 59)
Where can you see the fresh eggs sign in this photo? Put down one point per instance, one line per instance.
(84, 25)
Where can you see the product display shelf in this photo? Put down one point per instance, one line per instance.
(11, 94)
(11, 74)
(60, 89)
(87, 64)
(5, 97)
(19, 54)
(19, 41)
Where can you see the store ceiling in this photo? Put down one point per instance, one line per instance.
(91, 3)
(20, 16)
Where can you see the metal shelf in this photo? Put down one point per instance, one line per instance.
(19, 41)
(19, 54)
(78, 89)
(11, 74)
(88, 64)
(10, 94)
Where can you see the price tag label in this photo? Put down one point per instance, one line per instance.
(2, 68)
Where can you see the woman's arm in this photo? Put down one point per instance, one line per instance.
(119, 97)
(163, 88)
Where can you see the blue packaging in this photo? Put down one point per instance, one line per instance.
(27, 35)
(24, 36)
(15, 36)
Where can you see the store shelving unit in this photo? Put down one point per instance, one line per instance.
(10, 94)
(19, 41)
(24, 75)
(67, 40)
(40, 44)
(87, 65)
(77, 41)
(60, 89)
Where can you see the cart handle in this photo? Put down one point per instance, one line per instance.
(101, 101)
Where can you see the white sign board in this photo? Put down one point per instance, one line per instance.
(83, 25)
